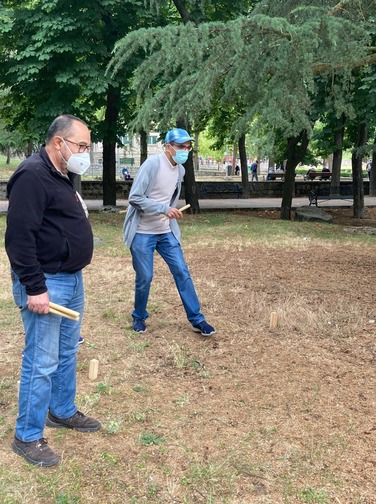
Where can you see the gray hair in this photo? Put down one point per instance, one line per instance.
(62, 125)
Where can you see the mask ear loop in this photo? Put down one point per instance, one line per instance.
(63, 158)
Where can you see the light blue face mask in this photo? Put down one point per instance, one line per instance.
(181, 156)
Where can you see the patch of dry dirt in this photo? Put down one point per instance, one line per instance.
(251, 415)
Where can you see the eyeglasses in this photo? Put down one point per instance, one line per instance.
(81, 147)
(181, 147)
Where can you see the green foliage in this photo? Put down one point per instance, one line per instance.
(265, 63)
(112, 427)
(11, 143)
(270, 69)
(151, 439)
(54, 56)
(311, 495)
(103, 388)
(208, 147)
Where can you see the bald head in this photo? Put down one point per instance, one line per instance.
(63, 126)
(66, 136)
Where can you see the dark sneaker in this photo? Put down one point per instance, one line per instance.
(81, 340)
(204, 328)
(36, 452)
(78, 421)
(138, 325)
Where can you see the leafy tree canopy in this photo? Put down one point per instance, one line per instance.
(266, 62)
(54, 56)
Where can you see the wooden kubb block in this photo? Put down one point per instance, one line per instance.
(273, 320)
(93, 369)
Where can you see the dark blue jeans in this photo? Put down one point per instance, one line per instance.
(48, 374)
(142, 249)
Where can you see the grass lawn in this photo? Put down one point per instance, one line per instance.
(6, 170)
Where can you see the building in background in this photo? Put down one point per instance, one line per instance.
(127, 156)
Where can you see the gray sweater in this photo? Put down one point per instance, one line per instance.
(139, 199)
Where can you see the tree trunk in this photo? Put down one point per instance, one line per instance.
(296, 148)
(372, 182)
(195, 152)
(77, 181)
(109, 173)
(357, 172)
(183, 11)
(109, 146)
(143, 146)
(77, 184)
(234, 157)
(29, 150)
(244, 166)
(337, 153)
(8, 155)
(190, 187)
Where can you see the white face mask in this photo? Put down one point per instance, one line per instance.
(77, 163)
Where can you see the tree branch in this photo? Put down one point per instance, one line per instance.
(183, 11)
(338, 7)
(324, 67)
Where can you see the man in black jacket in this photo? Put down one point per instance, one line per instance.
(49, 241)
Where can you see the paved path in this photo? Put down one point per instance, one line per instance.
(218, 204)
(250, 203)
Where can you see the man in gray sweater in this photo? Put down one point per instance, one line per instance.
(154, 194)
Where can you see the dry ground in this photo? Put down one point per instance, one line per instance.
(248, 416)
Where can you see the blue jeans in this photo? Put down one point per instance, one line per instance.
(48, 373)
(167, 246)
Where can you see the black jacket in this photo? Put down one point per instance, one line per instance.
(47, 228)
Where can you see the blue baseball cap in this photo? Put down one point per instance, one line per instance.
(177, 135)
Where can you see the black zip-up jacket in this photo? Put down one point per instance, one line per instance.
(47, 228)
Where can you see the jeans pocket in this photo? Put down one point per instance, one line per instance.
(19, 293)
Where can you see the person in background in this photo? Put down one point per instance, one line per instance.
(368, 168)
(271, 171)
(253, 168)
(155, 194)
(49, 241)
(325, 174)
(312, 170)
(125, 173)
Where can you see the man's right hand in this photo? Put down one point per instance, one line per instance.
(39, 303)
(174, 213)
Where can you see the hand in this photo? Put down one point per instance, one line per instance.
(39, 303)
(174, 213)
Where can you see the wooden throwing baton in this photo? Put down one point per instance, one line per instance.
(64, 312)
(181, 209)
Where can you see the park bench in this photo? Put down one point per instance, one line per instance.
(326, 192)
(274, 176)
(221, 189)
(318, 174)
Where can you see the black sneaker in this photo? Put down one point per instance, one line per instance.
(138, 325)
(204, 328)
(36, 452)
(78, 421)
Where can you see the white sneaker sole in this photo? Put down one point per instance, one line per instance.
(196, 330)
